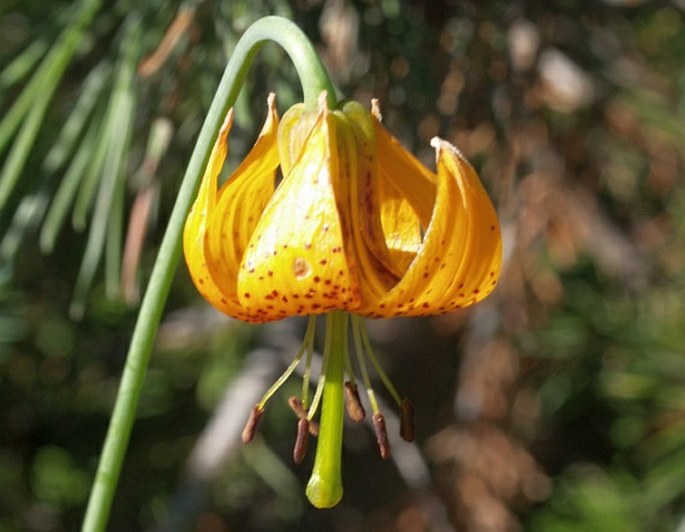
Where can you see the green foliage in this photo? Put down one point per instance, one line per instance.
(586, 499)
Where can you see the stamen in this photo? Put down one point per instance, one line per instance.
(251, 425)
(362, 344)
(381, 435)
(353, 404)
(407, 420)
(250, 429)
(300, 449)
(322, 378)
(383, 376)
(308, 340)
(348, 367)
(297, 407)
(356, 334)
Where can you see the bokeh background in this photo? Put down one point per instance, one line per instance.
(558, 404)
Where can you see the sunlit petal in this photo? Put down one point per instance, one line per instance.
(196, 224)
(294, 130)
(296, 261)
(242, 200)
(481, 257)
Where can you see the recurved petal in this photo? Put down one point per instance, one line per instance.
(459, 260)
(481, 261)
(296, 262)
(242, 199)
(196, 224)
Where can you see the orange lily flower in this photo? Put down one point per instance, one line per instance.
(356, 224)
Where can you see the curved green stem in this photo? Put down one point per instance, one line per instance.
(324, 488)
(312, 74)
(314, 80)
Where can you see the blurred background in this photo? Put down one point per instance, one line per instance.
(557, 404)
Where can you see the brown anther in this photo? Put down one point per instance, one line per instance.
(296, 406)
(406, 420)
(300, 449)
(381, 435)
(251, 426)
(301, 413)
(353, 404)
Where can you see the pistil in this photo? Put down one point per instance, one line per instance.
(324, 488)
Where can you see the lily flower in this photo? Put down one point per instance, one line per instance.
(329, 214)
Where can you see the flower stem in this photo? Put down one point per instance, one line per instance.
(314, 81)
(312, 74)
(324, 488)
